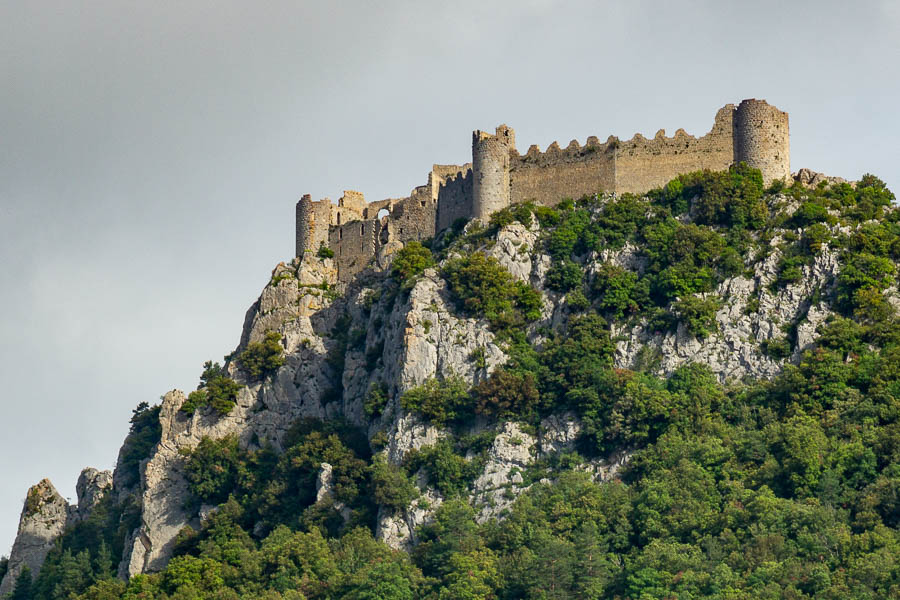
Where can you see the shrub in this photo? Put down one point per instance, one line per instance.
(815, 236)
(325, 251)
(732, 198)
(262, 358)
(698, 314)
(618, 291)
(391, 485)
(577, 300)
(619, 221)
(778, 349)
(686, 259)
(440, 401)
(547, 216)
(216, 390)
(449, 472)
(861, 271)
(143, 435)
(568, 236)
(481, 286)
(507, 394)
(570, 363)
(33, 502)
(790, 269)
(564, 275)
(213, 467)
(501, 218)
(376, 400)
(808, 213)
(411, 260)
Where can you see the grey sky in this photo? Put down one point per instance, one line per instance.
(151, 154)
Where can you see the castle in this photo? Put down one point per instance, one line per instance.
(753, 132)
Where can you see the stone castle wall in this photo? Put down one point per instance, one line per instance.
(454, 194)
(643, 164)
(754, 132)
(573, 172)
(354, 245)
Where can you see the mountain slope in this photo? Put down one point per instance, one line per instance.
(693, 394)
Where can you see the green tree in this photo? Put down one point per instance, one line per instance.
(391, 486)
(411, 260)
(619, 292)
(506, 394)
(482, 287)
(22, 590)
(262, 358)
(564, 275)
(471, 576)
(216, 390)
(441, 401)
(698, 314)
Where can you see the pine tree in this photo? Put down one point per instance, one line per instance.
(103, 563)
(23, 588)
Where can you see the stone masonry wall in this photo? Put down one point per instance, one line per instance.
(548, 177)
(643, 164)
(490, 171)
(454, 196)
(313, 220)
(762, 139)
(755, 132)
(354, 245)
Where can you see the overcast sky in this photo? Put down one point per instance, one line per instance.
(151, 154)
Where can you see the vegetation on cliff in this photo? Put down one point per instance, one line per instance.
(781, 488)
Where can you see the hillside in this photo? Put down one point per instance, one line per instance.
(693, 393)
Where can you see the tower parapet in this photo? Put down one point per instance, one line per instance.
(762, 139)
(490, 169)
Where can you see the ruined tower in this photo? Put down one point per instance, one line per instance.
(313, 220)
(490, 170)
(762, 140)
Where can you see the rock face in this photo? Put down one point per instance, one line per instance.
(262, 414)
(43, 519)
(91, 487)
(343, 339)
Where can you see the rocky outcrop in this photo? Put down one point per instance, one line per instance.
(46, 515)
(43, 519)
(343, 339)
(501, 481)
(735, 351)
(810, 178)
(262, 414)
(515, 250)
(91, 487)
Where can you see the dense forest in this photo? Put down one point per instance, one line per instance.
(764, 489)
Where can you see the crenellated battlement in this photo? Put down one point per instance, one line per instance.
(753, 131)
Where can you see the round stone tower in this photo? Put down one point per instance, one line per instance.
(313, 219)
(762, 139)
(490, 170)
(304, 214)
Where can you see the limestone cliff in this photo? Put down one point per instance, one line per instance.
(45, 516)
(341, 339)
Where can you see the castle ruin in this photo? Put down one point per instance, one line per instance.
(753, 132)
